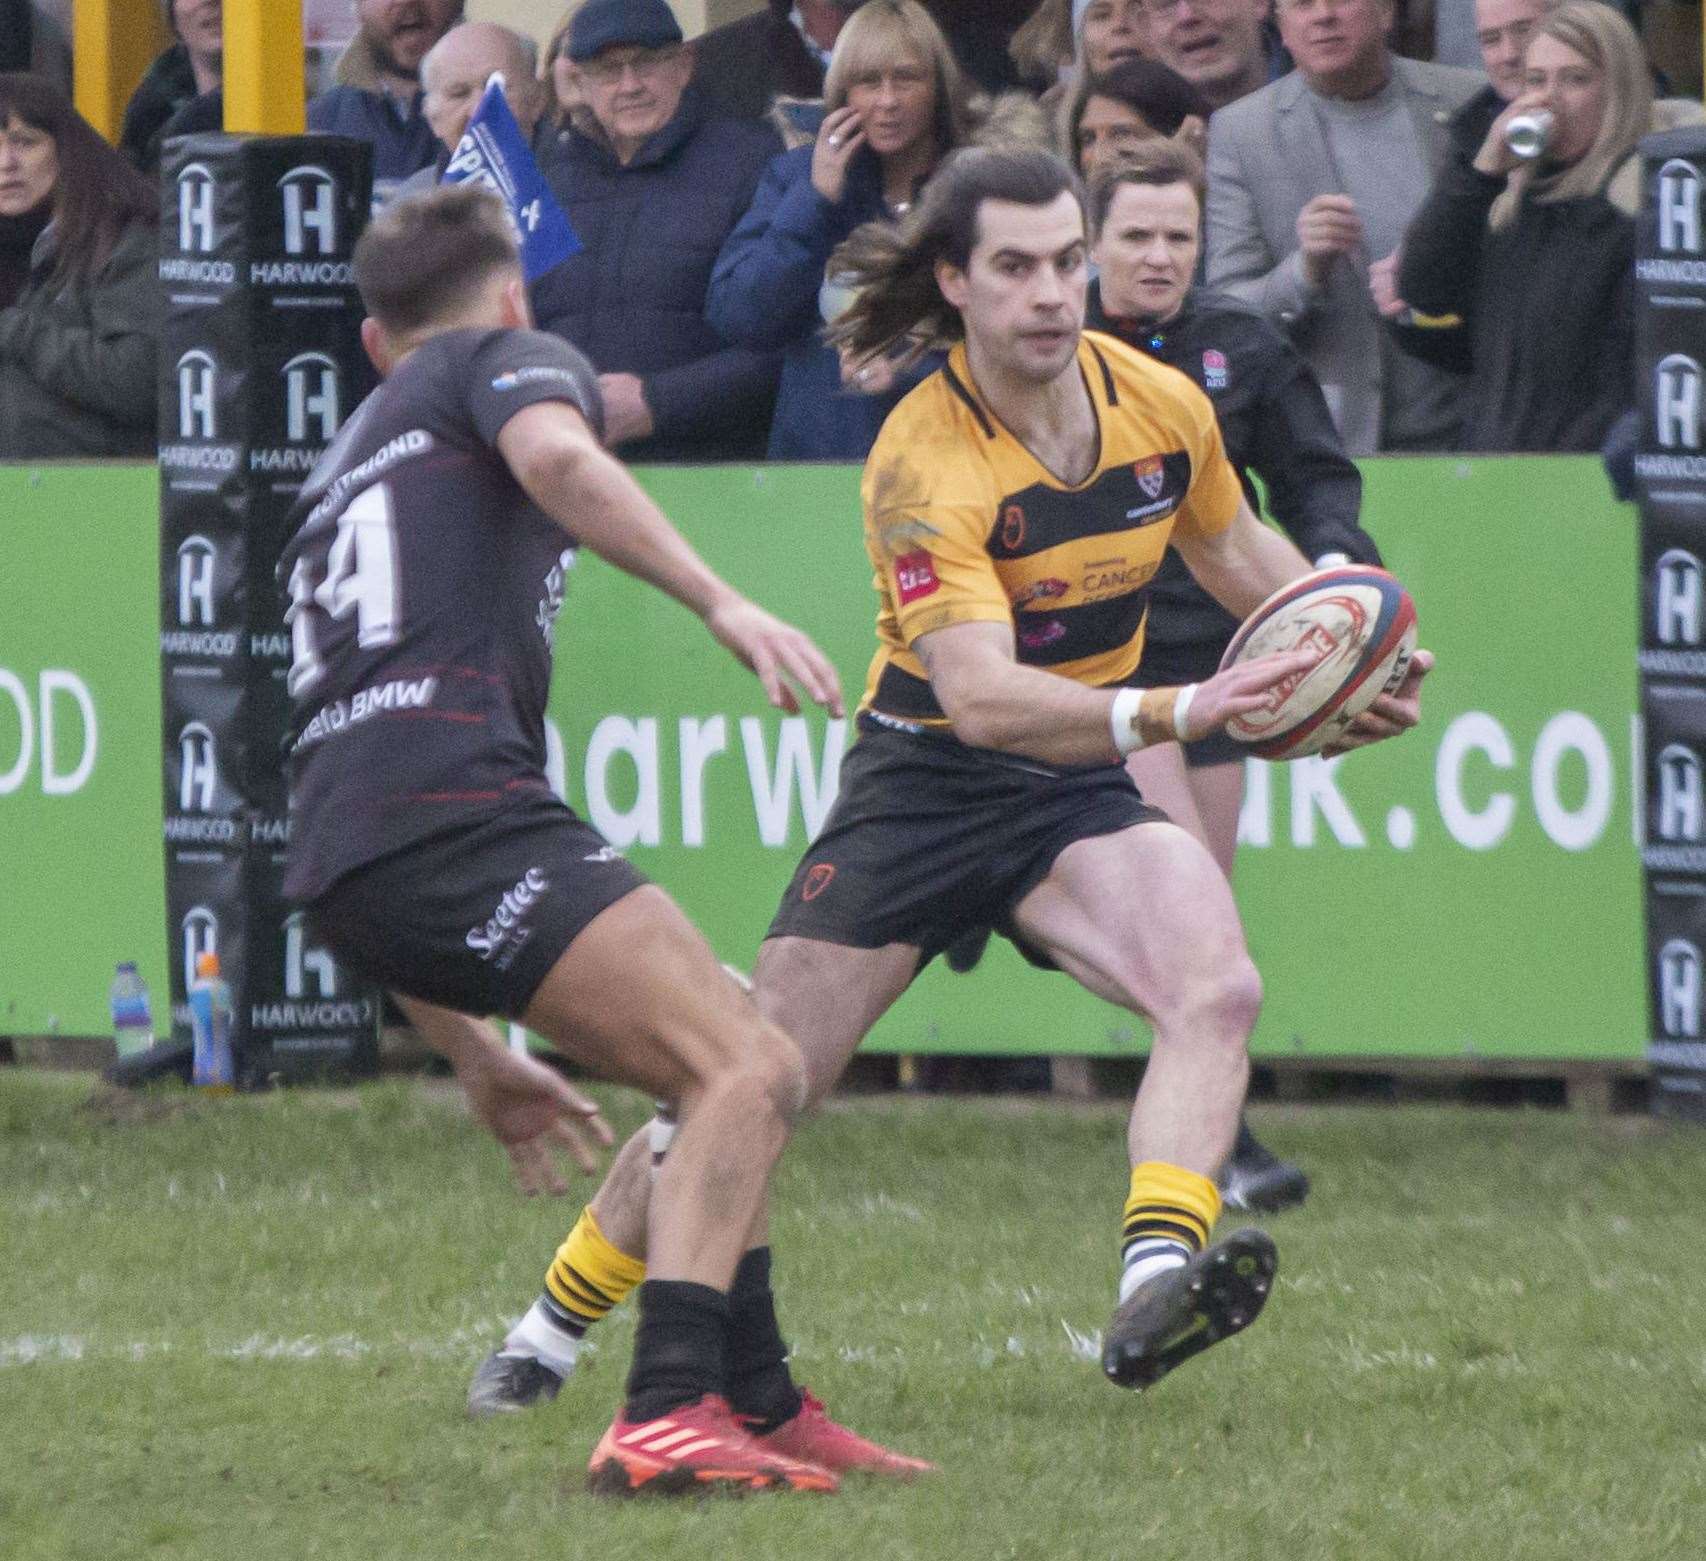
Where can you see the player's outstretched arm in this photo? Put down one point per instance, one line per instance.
(1242, 566)
(994, 701)
(559, 462)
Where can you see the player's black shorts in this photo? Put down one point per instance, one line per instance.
(1172, 666)
(929, 839)
(475, 918)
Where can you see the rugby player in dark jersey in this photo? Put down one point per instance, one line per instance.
(1017, 504)
(435, 538)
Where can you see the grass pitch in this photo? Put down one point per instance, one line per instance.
(244, 1328)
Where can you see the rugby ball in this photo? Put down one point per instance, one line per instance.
(1359, 624)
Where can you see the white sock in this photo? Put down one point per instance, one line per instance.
(539, 1336)
(1145, 1259)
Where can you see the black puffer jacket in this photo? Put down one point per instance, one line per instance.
(77, 361)
(1549, 305)
(1275, 424)
(633, 299)
(168, 85)
(1548, 302)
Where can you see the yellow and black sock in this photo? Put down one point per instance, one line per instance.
(588, 1277)
(1169, 1214)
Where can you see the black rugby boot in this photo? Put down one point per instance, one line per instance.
(1179, 1313)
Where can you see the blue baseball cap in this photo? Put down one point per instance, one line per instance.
(610, 24)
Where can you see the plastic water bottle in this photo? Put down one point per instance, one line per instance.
(133, 1020)
(212, 1068)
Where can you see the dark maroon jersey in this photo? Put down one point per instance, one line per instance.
(423, 588)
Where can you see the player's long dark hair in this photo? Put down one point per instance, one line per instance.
(892, 266)
(97, 195)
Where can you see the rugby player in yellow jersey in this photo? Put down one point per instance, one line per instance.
(1016, 505)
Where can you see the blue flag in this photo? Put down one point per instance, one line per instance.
(493, 152)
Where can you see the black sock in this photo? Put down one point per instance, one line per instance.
(759, 1383)
(1246, 1143)
(679, 1347)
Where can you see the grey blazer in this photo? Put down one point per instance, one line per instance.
(1267, 158)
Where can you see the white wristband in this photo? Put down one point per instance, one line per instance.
(1122, 720)
(1181, 707)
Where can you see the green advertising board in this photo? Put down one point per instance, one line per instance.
(1473, 888)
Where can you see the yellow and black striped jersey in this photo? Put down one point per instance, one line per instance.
(964, 525)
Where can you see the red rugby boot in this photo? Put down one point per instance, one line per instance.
(814, 1438)
(697, 1447)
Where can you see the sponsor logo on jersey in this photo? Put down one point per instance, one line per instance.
(398, 694)
(534, 374)
(1213, 369)
(1012, 527)
(1115, 576)
(603, 854)
(1038, 591)
(1043, 634)
(417, 441)
(915, 576)
(500, 938)
(817, 880)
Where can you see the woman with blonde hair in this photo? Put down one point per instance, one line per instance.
(1535, 255)
(895, 104)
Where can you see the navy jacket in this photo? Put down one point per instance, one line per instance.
(764, 295)
(402, 140)
(633, 299)
(1276, 426)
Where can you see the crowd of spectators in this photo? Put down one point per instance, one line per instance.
(1361, 197)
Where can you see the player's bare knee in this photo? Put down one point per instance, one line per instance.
(1215, 1006)
(785, 1071)
(1227, 1002)
(754, 1060)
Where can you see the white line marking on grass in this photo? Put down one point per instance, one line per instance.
(1403, 1358)
(882, 1204)
(465, 1343)
(29, 1348)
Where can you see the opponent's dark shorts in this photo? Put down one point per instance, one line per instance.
(475, 918)
(1172, 666)
(929, 838)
